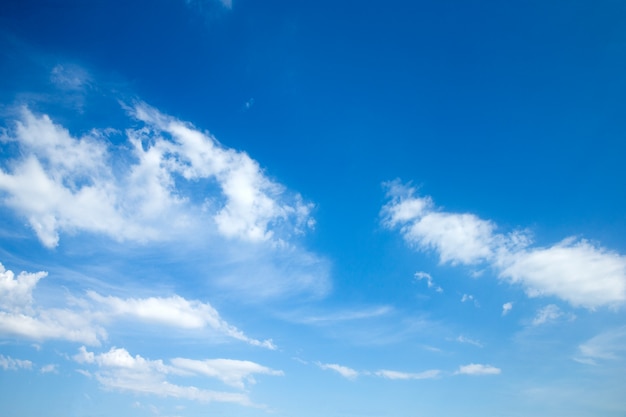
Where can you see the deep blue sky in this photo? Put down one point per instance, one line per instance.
(398, 209)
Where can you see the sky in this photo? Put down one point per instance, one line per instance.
(295, 209)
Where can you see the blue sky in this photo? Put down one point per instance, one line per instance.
(300, 209)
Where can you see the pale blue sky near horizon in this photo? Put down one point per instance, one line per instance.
(302, 208)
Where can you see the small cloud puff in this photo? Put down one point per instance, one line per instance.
(429, 280)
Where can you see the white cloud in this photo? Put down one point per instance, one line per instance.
(82, 320)
(253, 204)
(385, 373)
(55, 324)
(506, 308)
(346, 315)
(173, 311)
(463, 339)
(344, 371)
(69, 77)
(469, 297)
(477, 369)
(61, 183)
(118, 369)
(582, 273)
(16, 293)
(576, 271)
(8, 363)
(547, 314)
(231, 372)
(46, 369)
(608, 345)
(429, 280)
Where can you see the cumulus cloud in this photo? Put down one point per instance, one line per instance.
(16, 294)
(8, 363)
(477, 369)
(575, 270)
(385, 373)
(344, 371)
(429, 280)
(61, 183)
(118, 369)
(83, 320)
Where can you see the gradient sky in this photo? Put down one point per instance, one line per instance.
(297, 209)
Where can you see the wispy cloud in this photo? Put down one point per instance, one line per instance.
(344, 315)
(467, 340)
(232, 372)
(609, 345)
(429, 280)
(470, 298)
(50, 368)
(118, 369)
(385, 373)
(547, 314)
(8, 363)
(344, 371)
(173, 311)
(478, 369)
(506, 308)
(83, 320)
(578, 271)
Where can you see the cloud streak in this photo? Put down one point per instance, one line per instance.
(83, 320)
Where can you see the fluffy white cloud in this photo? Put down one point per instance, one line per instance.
(16, 293)
(577, 271)
(118, 369)
(582, 273)
(478, 369)
(61, 183)
(8, 363)
(344, 371)
(457, 238)
(385, 373)
(231, 372)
